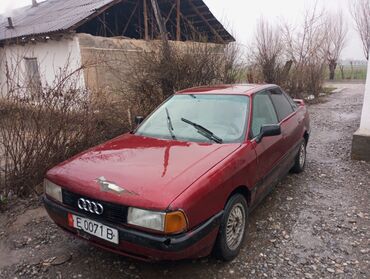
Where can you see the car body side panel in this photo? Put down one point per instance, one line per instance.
(269, 152)
(208, 195)
(276, 155)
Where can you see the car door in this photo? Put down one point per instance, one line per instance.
(268, 151)
(289, 128)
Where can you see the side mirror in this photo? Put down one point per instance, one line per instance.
(268, 131)
(138, 120)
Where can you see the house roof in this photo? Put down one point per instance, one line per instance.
(49, 17)
(58, 16)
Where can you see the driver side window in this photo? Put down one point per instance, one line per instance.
(263, 112)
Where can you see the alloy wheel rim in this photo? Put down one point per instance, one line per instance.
(235, 226)
(302, 155)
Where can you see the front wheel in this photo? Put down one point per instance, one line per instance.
(300, 160)
(232, 229)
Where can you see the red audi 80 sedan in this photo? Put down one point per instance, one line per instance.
(183, 183)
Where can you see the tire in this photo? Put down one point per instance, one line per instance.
(232, 229)
(300, 160)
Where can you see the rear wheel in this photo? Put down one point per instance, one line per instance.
(232, 229)
(300, 160)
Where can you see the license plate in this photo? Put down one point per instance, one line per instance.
(94, 228)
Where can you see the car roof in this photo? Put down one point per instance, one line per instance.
(232, 89)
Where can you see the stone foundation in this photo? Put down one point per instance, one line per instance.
(361, 145)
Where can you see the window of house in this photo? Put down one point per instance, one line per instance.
(33, 79)
(263, 112)
(281, 103)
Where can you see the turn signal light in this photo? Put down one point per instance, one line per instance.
(175, 222)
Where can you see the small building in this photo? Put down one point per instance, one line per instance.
(361, 138)
(40, 41)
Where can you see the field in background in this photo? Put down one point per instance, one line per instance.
(348, 72)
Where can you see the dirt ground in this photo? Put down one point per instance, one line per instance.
(313, 225)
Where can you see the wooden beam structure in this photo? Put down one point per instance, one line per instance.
(206, 21)
(178, 22)
(146, 31)
(190, 24)
(105, 26)
(129, 19)
(170, 13)
(159, 19)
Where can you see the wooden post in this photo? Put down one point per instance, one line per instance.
(178, 23)
(116, 32)
(129, 19)
(139, 17)
(159, 19)
(104, 26)
(146, 32)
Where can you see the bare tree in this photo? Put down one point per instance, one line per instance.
(294, 56)
(360, 10)
(307, 40)
(335, 40)
(305, 45)
(188, 66)
(268, 50)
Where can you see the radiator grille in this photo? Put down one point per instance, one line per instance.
(112, 212)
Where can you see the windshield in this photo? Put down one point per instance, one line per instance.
(199, 118)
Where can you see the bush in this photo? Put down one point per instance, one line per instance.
(42, 127)
(158, 74)
(294, 58)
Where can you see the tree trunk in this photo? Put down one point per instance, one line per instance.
(332, 67)
(342, 72)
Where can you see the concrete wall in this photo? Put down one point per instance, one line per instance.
(361, 139)
(110, 60)
(365, 118)
(52, 56)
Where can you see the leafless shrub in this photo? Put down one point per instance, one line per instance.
(156, 75)
(294, 57)
(335, 40)
(360, 10)
(267, 52)
(42, 126)
(306, 48)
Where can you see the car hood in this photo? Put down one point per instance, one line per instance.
(152, 172)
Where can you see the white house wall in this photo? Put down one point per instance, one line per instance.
(365, 118)
(54, 58)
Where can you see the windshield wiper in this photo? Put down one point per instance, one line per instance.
(169, 125)
(203, 131)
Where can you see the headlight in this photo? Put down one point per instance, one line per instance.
(52, 190)
(169, 223)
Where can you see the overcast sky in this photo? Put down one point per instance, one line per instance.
(240, 16)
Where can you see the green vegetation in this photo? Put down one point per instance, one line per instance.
(348, 72)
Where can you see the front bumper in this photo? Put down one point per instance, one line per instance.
(193, 244)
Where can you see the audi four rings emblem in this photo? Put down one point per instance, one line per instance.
(89, 206)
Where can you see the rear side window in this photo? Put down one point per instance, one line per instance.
(290, 99)
(281, 103)
(263, 112)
